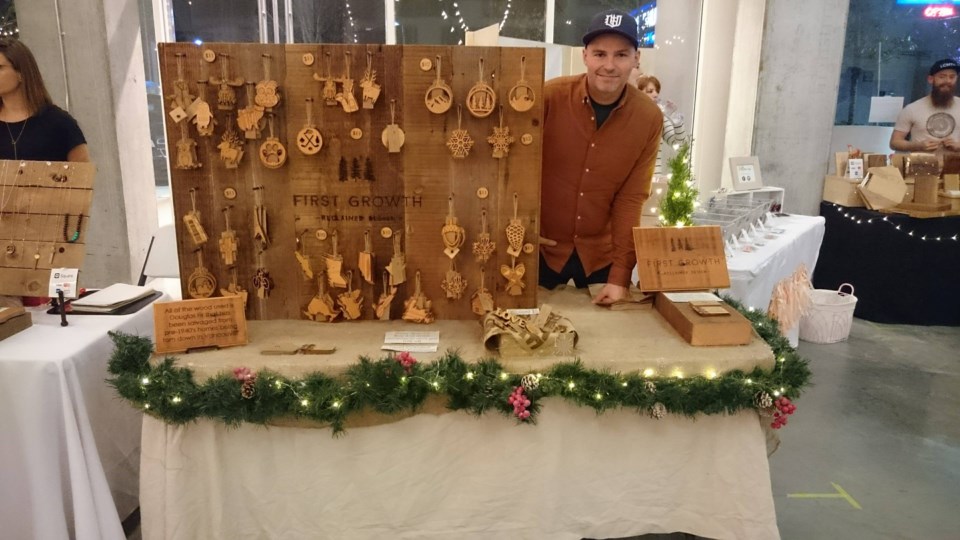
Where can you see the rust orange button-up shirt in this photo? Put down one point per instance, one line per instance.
(595, 181)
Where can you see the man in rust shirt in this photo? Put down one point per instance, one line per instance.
(600, 142)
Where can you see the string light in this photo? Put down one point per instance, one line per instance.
(571, 385)
(469, 375)
(145, 380)
(176, 399)
(649, 372)
(503, 375)
(896, 227)
(598, 396)
(711, 374)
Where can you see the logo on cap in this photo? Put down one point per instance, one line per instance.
(613, 21)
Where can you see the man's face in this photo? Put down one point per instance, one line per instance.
(943, 83)
(608, 59)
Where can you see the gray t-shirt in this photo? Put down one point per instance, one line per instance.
(924, 122)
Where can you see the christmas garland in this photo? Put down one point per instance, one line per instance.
(400, 384)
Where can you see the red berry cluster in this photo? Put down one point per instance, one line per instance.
(407, 361)
(784, 409)
(248, 379)
(520, 403)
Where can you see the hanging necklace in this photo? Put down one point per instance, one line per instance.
(14, 141)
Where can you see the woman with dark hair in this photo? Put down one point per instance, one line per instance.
(31, 126)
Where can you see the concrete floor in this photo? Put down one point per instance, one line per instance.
(882, 422)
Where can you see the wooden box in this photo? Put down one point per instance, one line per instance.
(698, 330)
(842, 191)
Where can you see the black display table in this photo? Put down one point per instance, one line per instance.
(905, 270)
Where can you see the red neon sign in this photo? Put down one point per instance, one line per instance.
(939, 12)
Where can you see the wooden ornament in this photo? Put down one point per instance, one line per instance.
(392, 136)
(329, 90)
(515, 231)
(439, 96)
(272, 152)
(201, 282)
(228, 241)
(203, 117)
(418, 308)
(483, 193)
(484, 246)
(371, 90)
(209, 56)
(382, 309)
(482, 301)
(452, 233)
(398, 264)
(526, 139)
(229, 193)
(186, 150)
(386, 232)
(365, 259)
(460, 141)
(303, 259)
(262, 283)
(529, 248)
(333, 262)
(481, 100)
(501, 139)
(321, 235)
(234, 289)
(261, 232)
(514, 275)
(231, 149)
(521, 96)
(350, 302)
(226, 95)
(425, 64)
(454, 284)
(268, 94)
(192, 221)
(356, 134)
(250, 118)
(309, 140)
(181, 98)
(321, 307)
(345, 96)
(307, 59)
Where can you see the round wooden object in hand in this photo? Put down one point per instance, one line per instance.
(481, 100)
(272, 153)
(356, 134)
(309, 141)
(439, 97)
(521, 97)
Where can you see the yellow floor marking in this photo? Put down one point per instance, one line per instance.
(840, 494)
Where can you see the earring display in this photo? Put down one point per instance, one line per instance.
(342, 199)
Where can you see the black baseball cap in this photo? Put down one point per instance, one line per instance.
(946, 63)
(614, 21)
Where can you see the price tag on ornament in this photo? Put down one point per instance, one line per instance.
(64, 279)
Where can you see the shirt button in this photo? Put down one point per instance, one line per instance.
(593, 117)
(581, 194)
(578, 217)
(592, 145)
(587, 170)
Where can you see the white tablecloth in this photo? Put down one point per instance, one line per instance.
(69, 447)
(754, 275)
(573, 475)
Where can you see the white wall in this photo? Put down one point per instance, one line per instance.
(802, 53)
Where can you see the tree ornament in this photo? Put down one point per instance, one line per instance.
(521, 96)
(481, 100)
(650, 387)
(460, 141)
(439, 96)
(371, 90)
(530, 382)
(501, 139)
(763, 400)
(658, 411)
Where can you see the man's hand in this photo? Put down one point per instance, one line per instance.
(952, 144)
(928, 146)
(547, 242)
(610, 294)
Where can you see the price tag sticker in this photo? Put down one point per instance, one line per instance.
(64, 279)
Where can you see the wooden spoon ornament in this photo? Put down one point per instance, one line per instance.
(365, 259)
(454, 284)
(501, 139)
(345, 96)
(334, 265)
(192, 221)
(460, 141)
(418, 308)
(382, 309)
(231, 147)
(329, 90)
(272, 152)
(515, 231)
(482, 301)
(484, 246)
(226, 95)
(268, 95)
(521, 96)
(186, 150)
(439, 96)
(309, 140)
(398, 264)
(321, 307)
(371, 90)
(250, 118)
(201, 282)
(452, 233)
(481, 100)
(228, 240)
(392, 136)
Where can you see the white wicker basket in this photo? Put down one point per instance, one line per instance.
(830, 315)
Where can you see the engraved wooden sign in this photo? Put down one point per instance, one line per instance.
(680, 258)
(194, 324)
(383, 171)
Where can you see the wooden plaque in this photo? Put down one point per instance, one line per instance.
(195, 324)
(680, 259)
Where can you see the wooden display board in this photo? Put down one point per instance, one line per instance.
(354, 187)
(680, 259)
(44, 211)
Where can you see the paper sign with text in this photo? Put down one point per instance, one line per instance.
(64, 279)
(194, 324)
